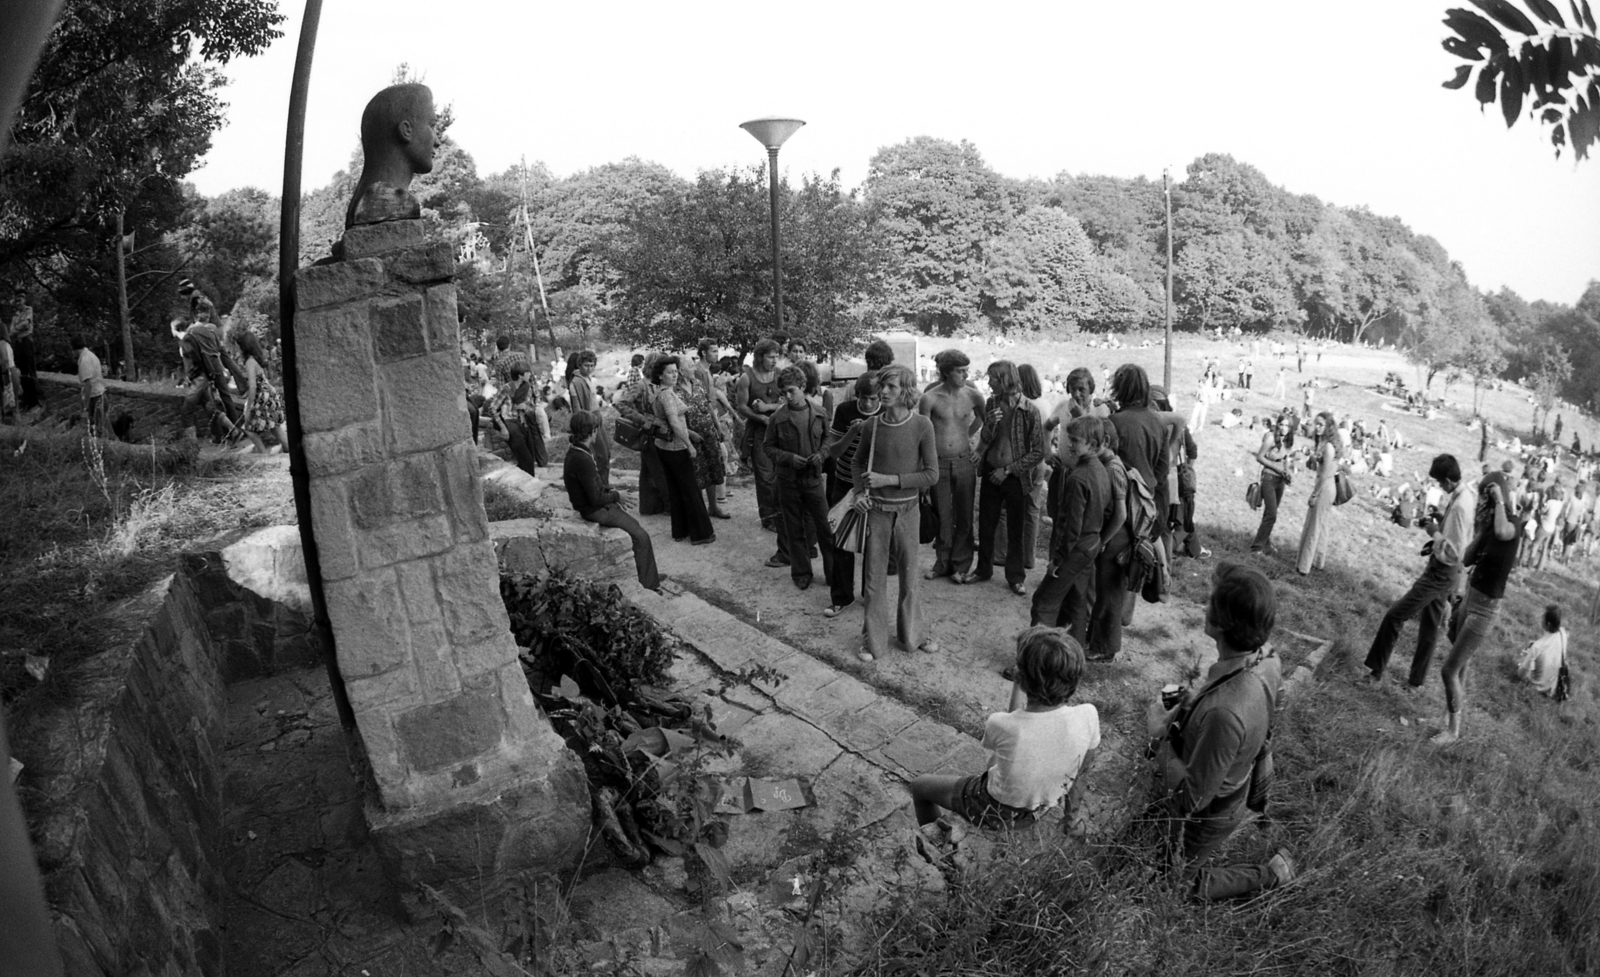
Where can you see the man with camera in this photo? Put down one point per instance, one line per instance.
(1431, 594)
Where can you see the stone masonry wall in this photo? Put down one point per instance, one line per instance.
(459, 752)
(123, 789)
(157, 412)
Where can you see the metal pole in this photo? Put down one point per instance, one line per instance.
(1166, 376)
(777, 260)
(288, 262)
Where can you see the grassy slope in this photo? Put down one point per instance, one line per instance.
(1482, 859)
(71, 546)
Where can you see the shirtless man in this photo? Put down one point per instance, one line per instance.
(956, 411)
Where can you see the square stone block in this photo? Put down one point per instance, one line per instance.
(402, 541)
(330, 526)
(436, 668)
(481, 657)
(369, 624)
(401, 490)
(344, 450)
(417, 589)
(397, 327)
(382, 745)
(469, 590)
(366, 240)
(386, 688)
(424, 403)
(335, 368)
(316, 286)
(441, 319)
(432, 262)
(458, 469)
(459, 729)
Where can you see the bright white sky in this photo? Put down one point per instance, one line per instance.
(1338, 100)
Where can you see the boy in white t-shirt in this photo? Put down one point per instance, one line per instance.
(1037, 750)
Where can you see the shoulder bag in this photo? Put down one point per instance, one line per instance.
(1252, 495)
(1343, 488)
(848, 523)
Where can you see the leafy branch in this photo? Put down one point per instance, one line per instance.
(1513, 57)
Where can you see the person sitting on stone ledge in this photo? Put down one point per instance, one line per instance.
(1038, 749)
(595, 504)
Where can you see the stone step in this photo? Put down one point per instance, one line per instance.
(846, 710)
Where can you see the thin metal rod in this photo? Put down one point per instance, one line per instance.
(1166, 375)
(777, 253)
(288, 261)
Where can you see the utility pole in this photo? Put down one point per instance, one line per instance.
(1166, 192)
(123, 315)
(538, 276)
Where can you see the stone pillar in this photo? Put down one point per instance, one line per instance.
(471, 779)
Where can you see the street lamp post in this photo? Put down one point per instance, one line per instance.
(772, 133)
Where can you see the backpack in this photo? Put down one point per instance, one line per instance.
(1146, 557)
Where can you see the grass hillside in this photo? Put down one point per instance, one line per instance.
(1483, 858)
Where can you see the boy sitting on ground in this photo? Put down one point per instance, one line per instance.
(1037, 751)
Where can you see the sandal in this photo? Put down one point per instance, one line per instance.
(864, 656)
(834, 611)
(1019, 590)
(930, 646)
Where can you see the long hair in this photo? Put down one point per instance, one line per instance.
(1003, 378)
(573, 359)
(1130, 385)
(1330, 429)
(909, 394)
(1032, 388)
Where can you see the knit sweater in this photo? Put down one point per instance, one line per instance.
(906, 449)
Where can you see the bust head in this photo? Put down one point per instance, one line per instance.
(397, 142)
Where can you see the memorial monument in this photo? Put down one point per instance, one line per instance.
(471, 780)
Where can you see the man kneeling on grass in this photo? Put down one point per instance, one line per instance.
(1212, 749)
(597, 504)
(1037, 750)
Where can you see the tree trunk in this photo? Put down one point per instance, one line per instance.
(123, 315)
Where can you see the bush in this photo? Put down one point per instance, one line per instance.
(574, 627)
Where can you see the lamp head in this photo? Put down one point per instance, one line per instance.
(772, 132)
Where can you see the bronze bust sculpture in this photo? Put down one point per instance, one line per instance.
(397, 142)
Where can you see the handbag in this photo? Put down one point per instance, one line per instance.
(928, 515)
(1343, 489)
(1563, 690)
(848, 523)
(1252, 495)
(630, 434)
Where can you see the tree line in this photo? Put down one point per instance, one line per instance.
(934, 240)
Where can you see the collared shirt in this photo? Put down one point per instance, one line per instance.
(793, 437)
(1222, 733)
(500, 366)
(1451, 541)
(1025, 433)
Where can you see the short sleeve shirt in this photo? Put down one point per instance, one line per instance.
(89, 373)
(1035, 756)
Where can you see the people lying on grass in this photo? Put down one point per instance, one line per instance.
(1038, 749)
(1540, 662)
(1212, 749)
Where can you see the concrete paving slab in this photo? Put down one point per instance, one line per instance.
(859, 790)
(843, 694)
(780, 745)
